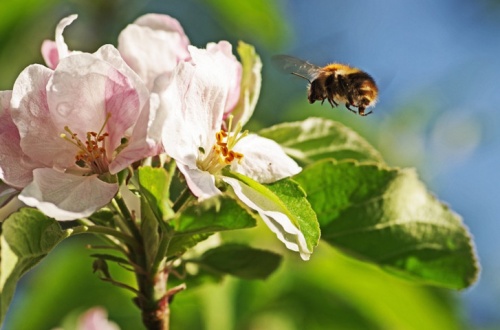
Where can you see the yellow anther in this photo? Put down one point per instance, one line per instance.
(222, 153)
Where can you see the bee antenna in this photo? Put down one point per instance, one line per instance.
(301, 76)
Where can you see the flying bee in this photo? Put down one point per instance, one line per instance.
(337, 83)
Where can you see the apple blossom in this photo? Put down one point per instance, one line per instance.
(195, 99)
(64, 131)
(54, 51)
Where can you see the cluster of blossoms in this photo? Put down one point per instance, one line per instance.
(67, 129)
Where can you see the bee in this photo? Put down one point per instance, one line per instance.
(337, 83)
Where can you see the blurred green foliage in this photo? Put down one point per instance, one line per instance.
(330, 290)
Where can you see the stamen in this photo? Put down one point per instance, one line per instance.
(92, 152)
(222, 153)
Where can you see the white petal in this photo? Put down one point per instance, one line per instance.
(274, 218)
(193, 99)
(62, 48)
(232, 72)
(263, 160)
(65, 196)
(201, 183)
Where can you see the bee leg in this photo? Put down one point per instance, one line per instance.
(348, 106)
(332, 102)
(361, 111)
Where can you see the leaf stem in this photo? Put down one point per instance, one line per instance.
(171, 170)
(182, 199)
(95, 229)
(122, 285)
(162, 251)
(128, 218)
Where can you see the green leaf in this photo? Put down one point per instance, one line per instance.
(318, 138)
(240, 260)
(294, 199)
(31, 19)
(387, 216)
(211, 215)
(103, 217)
(181, 243)
(27, 237)
(154, 184)
(198, 220)
(150, 231)
(251, 81)
(286, 197)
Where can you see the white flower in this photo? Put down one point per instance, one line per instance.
(194, 100)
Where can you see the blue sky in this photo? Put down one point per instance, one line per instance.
(444, 56)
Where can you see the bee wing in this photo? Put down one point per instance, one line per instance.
(296, 66)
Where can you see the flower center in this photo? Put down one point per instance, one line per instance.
(91, 152)
(222, 153)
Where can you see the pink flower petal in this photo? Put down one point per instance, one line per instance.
(84, 89)
(96, 319)
(52, 51)
(64, 196)
(30, 112)
(145, 140)
(15, 167)
(111, 55)
(153, 45)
